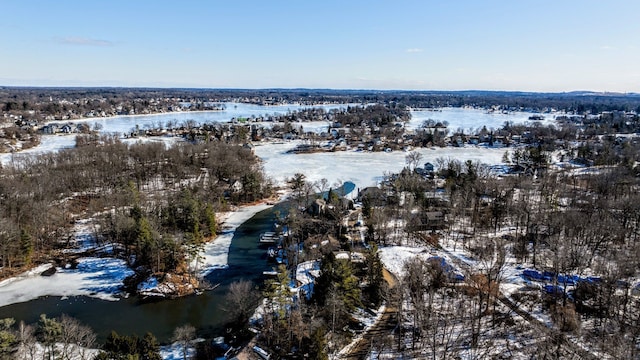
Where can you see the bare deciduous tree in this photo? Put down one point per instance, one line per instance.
(184, 335)
(241, 299)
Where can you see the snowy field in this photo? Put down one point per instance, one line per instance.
(99, 277)
(467, 119)
(394, 257)
(102, 277)
(128, 123)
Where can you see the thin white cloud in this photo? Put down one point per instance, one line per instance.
(83, 41)
(414, 50)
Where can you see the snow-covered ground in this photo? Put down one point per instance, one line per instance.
(73, 352)
(394, 257)
(102, 277)
(47, 144)
(306, 275)
(175, 352)
(99, 277)
(127, 123)
(168, 352)
(96, 277)
(368, 320)
(464, 118)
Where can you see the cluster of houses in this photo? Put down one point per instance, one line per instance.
(335, 138)
(65, 128)
(398, 138)
(21, 122)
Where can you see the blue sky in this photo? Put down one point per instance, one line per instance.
(542, 45)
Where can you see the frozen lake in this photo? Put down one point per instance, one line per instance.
(362, 168)
(126, 124)
(472, 119)
(464, 118)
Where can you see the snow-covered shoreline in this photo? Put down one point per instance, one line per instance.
(95, 277)
(215, 254)
(103, 277)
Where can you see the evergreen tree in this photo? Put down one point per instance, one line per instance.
(318, 346)
(7, 337)
(347, 285)
(279, 303)
(210, 220)
(375, 279)
(324, 283)
(149, 348)
(26, 245)
(49, 332)
(337, 276)
(123, 347)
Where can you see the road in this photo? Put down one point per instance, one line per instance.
(384, 326)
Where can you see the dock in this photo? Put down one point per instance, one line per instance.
(269, 238)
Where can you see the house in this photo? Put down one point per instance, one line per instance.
(236, 186)
(499, 141)
(50, 129)
(429, 167)
(339, 132)
(428, 170)
(318, 207)
(374, 195)
(434, 219)
(67, 129)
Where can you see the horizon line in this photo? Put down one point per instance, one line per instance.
(594, 92)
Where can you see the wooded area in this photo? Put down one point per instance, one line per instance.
(148, 199)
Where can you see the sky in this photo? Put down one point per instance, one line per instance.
(520, 45)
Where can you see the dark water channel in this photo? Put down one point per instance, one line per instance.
(206, 312)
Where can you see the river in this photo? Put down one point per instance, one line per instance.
(206, 312)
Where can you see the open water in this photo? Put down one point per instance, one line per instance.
(206, 312)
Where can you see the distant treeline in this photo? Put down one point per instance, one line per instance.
(40, 103)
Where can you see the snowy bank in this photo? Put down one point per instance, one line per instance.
(215, 254)
(95, 277)
(175, 352)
